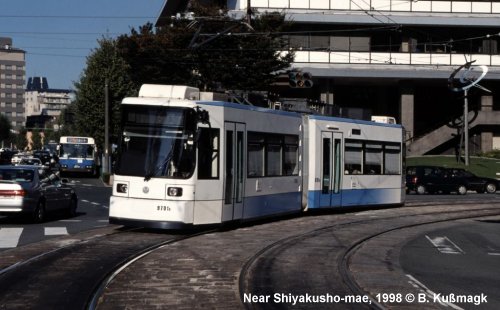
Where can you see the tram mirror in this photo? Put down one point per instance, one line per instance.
(202, 116)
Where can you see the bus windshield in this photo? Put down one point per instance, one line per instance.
(76, 150)
(157, 142)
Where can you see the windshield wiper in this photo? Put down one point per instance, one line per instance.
(155, 170)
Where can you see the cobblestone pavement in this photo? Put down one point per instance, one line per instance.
(203, 272)
(296, 256)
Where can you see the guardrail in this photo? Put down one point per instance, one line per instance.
(396, 58)
(480, 7)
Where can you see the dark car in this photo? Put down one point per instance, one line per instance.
(44, 157)
(433, 179)
(470, 181)
(424, 179)
(34, 190)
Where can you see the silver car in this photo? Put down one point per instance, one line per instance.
(34, 190)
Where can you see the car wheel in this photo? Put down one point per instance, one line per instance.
(420, 189)
(38, 215)
(462, 190)
(491, 188)
(72, 207)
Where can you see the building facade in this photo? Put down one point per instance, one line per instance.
(43, 104)
(12, 79)
(394, 58)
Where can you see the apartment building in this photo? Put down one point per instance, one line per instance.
(44, 104)
(12, 79)
(394, 58)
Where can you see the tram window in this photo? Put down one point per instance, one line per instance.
(392, 158)
(353, 157)
(208, 154)
(291, 167)
(273, 160)
(272, 155)
(373, 158)
(255, 155)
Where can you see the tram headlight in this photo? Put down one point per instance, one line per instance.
(174, 191)
(122, 188)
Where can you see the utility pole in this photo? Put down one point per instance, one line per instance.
(106, 127)
(249, 12)
(466, 128)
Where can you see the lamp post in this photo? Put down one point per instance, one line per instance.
(468, 79)
(106, 126)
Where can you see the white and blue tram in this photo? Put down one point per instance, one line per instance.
(183, 161)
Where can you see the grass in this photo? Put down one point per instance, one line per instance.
(481, 166)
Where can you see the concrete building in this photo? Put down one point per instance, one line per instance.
(43, 104)
(12, 79)
(394, 58)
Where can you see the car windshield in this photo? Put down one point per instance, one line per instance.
(157, 142)
(18, 175)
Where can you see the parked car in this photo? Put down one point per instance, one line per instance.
(33, 191)
(433, 179)
(472, 182)
(424, 179)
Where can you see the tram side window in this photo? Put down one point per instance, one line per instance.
(272, 155)
(255, 155)
(208, 154)
(392, 158)
(353, 157)
(373, 158)
(291, 167)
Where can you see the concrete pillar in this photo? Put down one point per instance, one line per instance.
(327, 96)
(486, 136)
(407, 110)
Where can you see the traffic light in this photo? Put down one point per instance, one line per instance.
(300, 79)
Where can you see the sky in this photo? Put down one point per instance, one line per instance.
(58, 35)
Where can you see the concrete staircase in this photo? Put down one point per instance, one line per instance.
(443, 134)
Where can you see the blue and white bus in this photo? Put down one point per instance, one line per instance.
(184, 161)
(77, 154)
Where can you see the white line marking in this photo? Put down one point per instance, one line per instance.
(494, 254)
(95, 203)
(445, 245)
(9, 237)
(84, 200)
(53, 231)
(424, 289)
(70, 221)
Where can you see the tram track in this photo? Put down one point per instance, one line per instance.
(73, 276)
(257, 277)
(77, 275)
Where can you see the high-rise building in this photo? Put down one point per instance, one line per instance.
(12, 78)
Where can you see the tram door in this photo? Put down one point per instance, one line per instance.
(331, 169)
(234, 166)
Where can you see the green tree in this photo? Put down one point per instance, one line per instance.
(103, 63)
(246, 59)
(5, 129)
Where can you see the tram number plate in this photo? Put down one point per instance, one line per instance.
(163, 208)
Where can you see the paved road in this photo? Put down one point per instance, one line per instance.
(92, 213)
(461, 260)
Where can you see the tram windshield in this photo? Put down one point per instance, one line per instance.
(157, 142)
